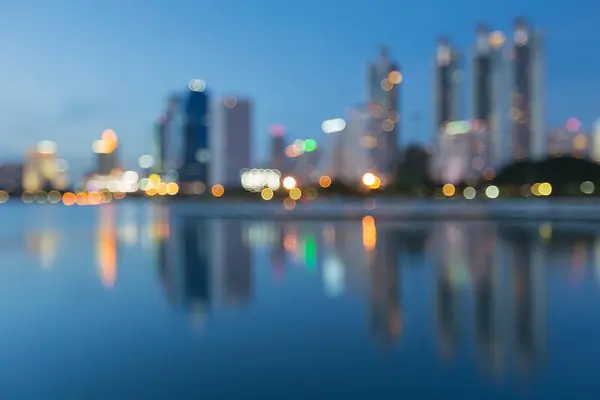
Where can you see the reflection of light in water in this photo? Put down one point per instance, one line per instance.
(329, 234)
(45, 246)
(369, 233)
(128, 234)
(260, 234)
(333, 275)
(128, 230)
(106, 246)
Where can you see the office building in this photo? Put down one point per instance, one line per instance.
(353, 146)
(106, 153)
(231, 142)
(447, 90)
(596, 142)
(527, 135)
(168, 135)
(384, 79)
(490, 84)
(568, 142)
(278, 159)
(41, 170)
(197, 155)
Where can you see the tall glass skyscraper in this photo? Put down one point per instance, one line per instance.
(384, 78)
(196, 153)
(527, 136)
(447, 90)
(490, 85)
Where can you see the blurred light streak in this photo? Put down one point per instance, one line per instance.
(106, 246)
(369, 233)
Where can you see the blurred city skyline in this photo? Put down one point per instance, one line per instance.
(74, 70)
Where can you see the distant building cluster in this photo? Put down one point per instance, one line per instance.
(202, 145)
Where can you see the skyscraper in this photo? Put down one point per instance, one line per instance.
(527, 135)
(196, 153)
(596, 142)
(106, 149)
(447, 91)
(232, 140)
(489, 91)
(277, 147)
(168, 132)
(383, 80)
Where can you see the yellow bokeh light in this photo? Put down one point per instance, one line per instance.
(449, 190)
(377, 183)
(218, 190)
(151, 191)
(325, 181)
(154, 180)
(172, 188)
(266, 194)
(295, 194)
(545, 189)
(3, 196)
(289, 183)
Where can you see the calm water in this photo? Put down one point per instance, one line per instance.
(136, 301)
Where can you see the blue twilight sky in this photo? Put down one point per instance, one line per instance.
(71, 68)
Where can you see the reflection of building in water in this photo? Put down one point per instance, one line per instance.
(165, 251)
(44, 245)
(449, 245)
(508, 293)
(348, 242)
(231, 262)
(106, 245)
(528, 296)
(386, 318)
(196, 240)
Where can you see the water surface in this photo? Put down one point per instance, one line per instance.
(135, 300)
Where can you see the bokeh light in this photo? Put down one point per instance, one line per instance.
(324, 181)
(587, 187)
(492, 192)
(449, 190)
(218, 190)
(266, 194)
(295, 193)
(289, 183)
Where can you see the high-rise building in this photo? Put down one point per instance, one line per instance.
(384, 78)
(353, 148)
(596, 141)
(106, 151)
(489, 90)
(41, 170)
(196, 153)
(527, 135)
(168, 135)
(278, 148)
(447, 90)
(232, 140)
